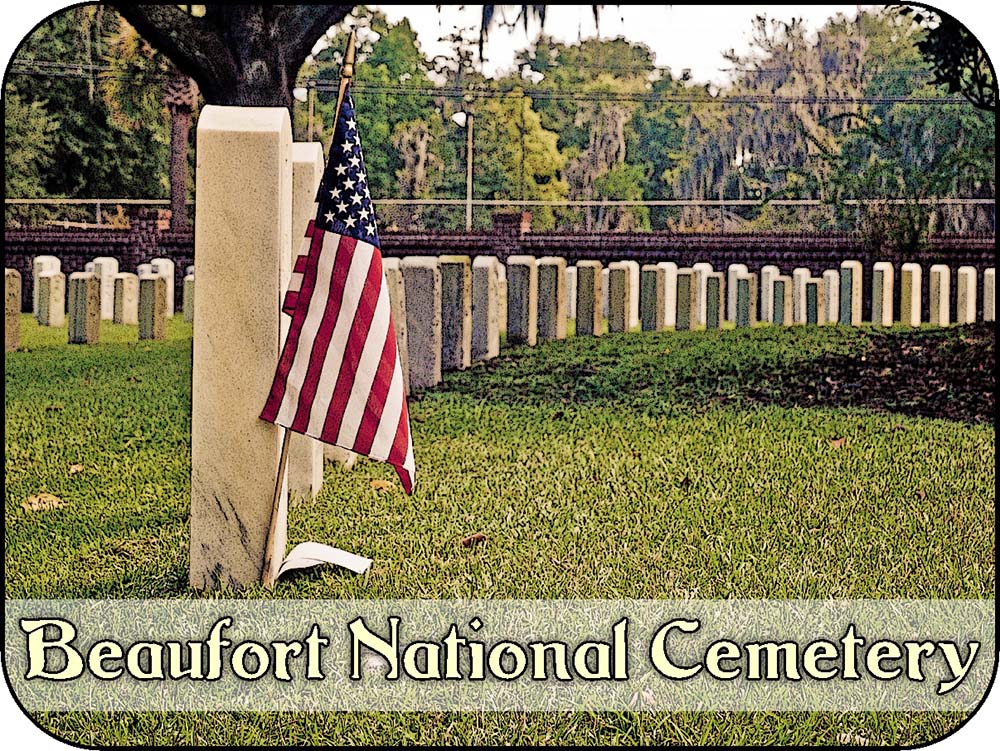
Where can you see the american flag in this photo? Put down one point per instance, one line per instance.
(339, 379)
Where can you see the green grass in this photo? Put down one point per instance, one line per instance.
(628, 466)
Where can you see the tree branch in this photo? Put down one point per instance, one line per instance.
(193, 45)
(302, 26)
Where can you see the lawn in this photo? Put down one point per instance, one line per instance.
(763, 463)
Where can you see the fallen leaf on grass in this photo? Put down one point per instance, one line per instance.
(75, 469)
(644, 698)
(921, 495)
(471, 540)
(849, 739)
(838, 443)
(384, 485)
(42, 502)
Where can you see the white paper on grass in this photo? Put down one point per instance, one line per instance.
(308, 554)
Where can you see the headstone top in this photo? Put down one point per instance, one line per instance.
(522, 260)
(419, 262)
(244, 120)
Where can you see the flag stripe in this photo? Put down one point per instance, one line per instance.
(321, 342)
(307, 319)
(356, 343)
(385, 436)
(398, 451)
(377, 397)
(367, 367)
(280, 384)
(350, 295)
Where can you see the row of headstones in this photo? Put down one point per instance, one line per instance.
(100, 292)
(686, 298)
(449, 311)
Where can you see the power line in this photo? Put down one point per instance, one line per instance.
(53, 69)
(580, 95)
(64, 201)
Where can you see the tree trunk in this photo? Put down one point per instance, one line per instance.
(243, 55)
(181, 96)
(180, 131)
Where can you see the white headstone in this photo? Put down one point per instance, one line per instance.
(619, 300)
(242, 244)
(588, 298)
(126, 302)
(700, 283)
(571, 292)
(799, 278)
(781, 302)
(397, 308)
(12, 310)
(966, 311)
(604, 292)
(831, 295)
(41, 265)
(522, 300)
(187, 298)
(850, 293)
(882, 293)
(552, 298)
(910, 290)
(305, 454)
(422, 285)
(166, 268)
(940, 281)
(989, 295)
(767, 276)
(669, 293)
(634, 270)
(456, 311)
(52, 299)
(732, 274)
(485, 308)
(84, 311)
(685, 299)
(106, 268)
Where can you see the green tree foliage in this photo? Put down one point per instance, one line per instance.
(516, 158)
(604, 136)
(29, 134)
(93, 153)
(389, 61)
(594, 120)
(656, 141)
(812, 147)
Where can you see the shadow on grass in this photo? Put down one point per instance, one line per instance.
(940, 373)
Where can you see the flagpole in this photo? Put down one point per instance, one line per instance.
(266, 579)
(346, 73)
